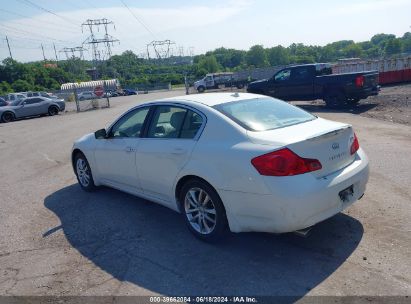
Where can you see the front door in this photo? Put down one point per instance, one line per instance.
(170, 139)
(278, 85)
(116, 155)
(30, 107)
(209, 81)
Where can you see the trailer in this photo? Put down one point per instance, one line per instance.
(393, 70)
(238, 79)
(109, 84)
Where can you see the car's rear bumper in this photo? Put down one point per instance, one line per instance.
(296, 202)
(370, 91)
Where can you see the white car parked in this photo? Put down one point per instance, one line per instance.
(243, 161)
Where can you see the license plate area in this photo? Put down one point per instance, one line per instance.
(346, 194)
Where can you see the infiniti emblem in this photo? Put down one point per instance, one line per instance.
(335, 146)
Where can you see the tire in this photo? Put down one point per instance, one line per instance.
(83, 172)
(203, 210)
(201, 89)
(53, 110)
(240, 86)
(335, 99)
(7, 117)
(353, 101)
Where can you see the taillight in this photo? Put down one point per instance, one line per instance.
(355, 145)
(284, 162)
(359, 81)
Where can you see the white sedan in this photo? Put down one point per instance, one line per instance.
(244, 162)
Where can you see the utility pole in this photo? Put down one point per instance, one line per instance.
(8, 45)
(55, 53)
(107, 40)
(73, 51)
(161, 48)
(44, 56)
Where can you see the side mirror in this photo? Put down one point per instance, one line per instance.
(100, 134)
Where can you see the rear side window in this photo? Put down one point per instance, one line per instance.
(174, 122)
(302, 73)
(262, 114)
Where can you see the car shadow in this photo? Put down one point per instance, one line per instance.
(353, 109)
(143, 243)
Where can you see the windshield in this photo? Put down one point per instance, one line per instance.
(262, 114)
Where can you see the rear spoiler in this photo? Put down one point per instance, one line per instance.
(329, 133)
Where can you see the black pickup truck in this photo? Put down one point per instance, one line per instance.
(316, 81)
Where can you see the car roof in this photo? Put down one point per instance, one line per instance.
(212, 99)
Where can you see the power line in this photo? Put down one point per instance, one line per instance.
(138, 19)
(30, 33)
(46, 10)
(22, 24)
(41, 21)
(25, 39)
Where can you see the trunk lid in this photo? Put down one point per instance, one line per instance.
(321, 139)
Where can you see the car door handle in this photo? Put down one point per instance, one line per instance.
(130, 149)
(178, 151)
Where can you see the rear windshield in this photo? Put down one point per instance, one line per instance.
(262, 114)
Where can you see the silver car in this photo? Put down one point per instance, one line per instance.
(32, 106)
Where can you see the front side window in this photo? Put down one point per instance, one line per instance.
(283, 75)
(33, 100)
(130, 125)
(16, 102)
(174, 122)
(262, 114)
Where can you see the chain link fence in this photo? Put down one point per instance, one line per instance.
(82, 99)
(145, 88)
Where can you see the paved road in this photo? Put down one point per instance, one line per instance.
(58, 240)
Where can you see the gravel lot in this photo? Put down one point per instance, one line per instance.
(58, 240)
(392, 104)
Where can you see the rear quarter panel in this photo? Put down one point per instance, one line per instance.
(223, 156)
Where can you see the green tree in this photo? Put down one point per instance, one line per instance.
(209, 63)
(381, 39)
(353, 50)
(5, 88)
(21, 86)
(278, 56)
(406, 42)
(257, 56)
(393, 46)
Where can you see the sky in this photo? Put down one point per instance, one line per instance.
(194, 26)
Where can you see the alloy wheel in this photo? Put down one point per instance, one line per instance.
(83, 172)
(200, 211)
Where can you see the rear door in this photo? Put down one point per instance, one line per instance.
(301, 86)
(166, 148)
